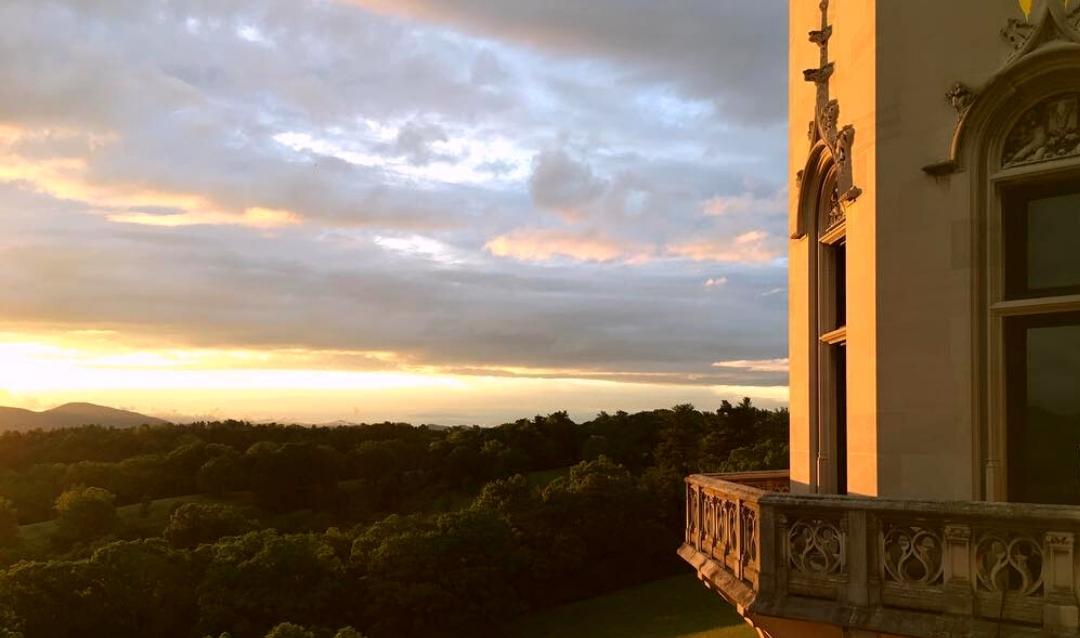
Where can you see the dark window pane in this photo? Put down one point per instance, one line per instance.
(1042, 239)
(1053, 251)
(840, 284)
(840, 352)
(1044, 410)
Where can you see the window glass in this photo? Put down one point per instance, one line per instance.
(1053, 242)
(840, 284)
(1044, 396)
(1042, 239)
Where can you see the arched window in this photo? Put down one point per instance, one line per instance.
(824, 226)
(1035, 300)
(1019, 140)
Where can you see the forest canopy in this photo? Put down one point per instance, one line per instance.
(383, 530)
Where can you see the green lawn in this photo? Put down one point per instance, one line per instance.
(678, 607)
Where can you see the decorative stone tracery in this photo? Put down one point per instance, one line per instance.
(816, 546)
(912, 555)
(749, 537)
(1009, 563)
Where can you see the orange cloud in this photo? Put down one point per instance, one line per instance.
(254, 217)
(543, 244)
(745, 203)
(752, 247)
(756, 365)
(68, 177)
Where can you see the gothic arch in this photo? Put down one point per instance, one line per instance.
(1020, 125)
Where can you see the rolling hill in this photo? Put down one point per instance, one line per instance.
(71, 415)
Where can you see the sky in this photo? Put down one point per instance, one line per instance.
(440, 211)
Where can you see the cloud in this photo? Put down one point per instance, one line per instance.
(751, 247)
(415, 140)
(457, 183)
(422, 247)
(747, 203)
(761, 365)
(719, 51)
(545, 244)
(716, 282)
(563, 184)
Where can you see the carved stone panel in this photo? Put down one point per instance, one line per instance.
(816, 547)
(1009, 562)
(912, 555)
(1048, 131)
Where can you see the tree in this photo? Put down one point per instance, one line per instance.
(48, 600)
(222, 473)
(9, 523)
(293, 475)
(289, 630)
(86, 513)
(439, 577)
(143, 588)
(253, 581)
(194, 523)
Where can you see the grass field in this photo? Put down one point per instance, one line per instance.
(678, 607)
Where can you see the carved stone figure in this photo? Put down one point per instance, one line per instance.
(1050, 130)
(960, 97)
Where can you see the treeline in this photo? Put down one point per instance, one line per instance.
(289, 467)
(612, 520)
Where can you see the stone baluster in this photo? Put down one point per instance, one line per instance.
(854, 530)
(1060, 613)
(738, 539)
(699, 514)
(770, 554)
(959, 570)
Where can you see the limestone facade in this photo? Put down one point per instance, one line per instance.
(934, 331)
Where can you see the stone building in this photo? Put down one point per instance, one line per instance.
(934, 333)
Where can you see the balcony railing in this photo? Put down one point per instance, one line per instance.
(901, 567)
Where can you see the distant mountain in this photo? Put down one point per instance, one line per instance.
(72, 415)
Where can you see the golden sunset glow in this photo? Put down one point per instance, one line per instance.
(41, 370)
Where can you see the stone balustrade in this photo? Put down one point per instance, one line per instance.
(900, 567)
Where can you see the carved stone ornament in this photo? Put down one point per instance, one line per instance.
(1055, 20)
(960, 97)
(816, 547)
(912, 555)
(1009, 562)
(1050, 130)
(825, 126)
